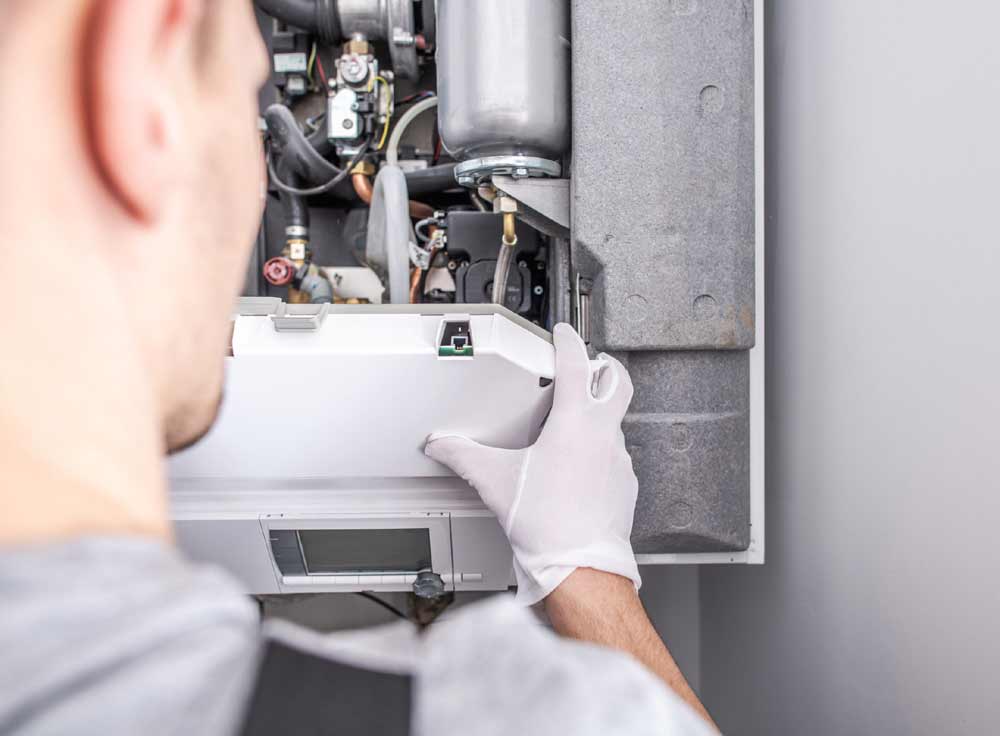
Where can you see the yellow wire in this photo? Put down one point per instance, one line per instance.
(388, 110)
(309, 66)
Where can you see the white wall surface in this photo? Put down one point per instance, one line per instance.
(878, 611)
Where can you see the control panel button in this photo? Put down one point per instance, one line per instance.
(321, 580)
(472, 577)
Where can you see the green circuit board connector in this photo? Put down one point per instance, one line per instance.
(455, 340)
(448, 351)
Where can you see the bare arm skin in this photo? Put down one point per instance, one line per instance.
(605, 609)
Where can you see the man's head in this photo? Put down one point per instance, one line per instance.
(144, 130)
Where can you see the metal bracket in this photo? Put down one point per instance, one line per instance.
(342, 119)
(299, 317)
(544, 202)
(256, 306)
(581, 309)
(475, 171)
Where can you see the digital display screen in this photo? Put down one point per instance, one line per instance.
(365, 550)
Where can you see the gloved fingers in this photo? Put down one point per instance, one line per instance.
(572, 366)
(598, 367)
(495, 473)
(463, 455)
(615, 386)
(608, 380)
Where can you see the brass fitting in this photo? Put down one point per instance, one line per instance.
(359, 47)
(364, 167)
(509, 232)
(295, 250)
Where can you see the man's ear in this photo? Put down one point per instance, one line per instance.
(136, 55)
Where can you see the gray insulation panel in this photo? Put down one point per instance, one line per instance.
(663, 180)
(663, 229)
(687, 432)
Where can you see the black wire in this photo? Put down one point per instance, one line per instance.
(322, 188)
(435, 141)
(415, 97)
(387, 606)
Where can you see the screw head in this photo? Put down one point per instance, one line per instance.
(353, 69)
(538, 290)
(452, 265)
(348, 123)
(402, 37)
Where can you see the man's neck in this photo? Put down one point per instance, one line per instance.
(80, 449)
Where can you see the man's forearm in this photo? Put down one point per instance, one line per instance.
(605, 609)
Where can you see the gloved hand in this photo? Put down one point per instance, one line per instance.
(568, 500)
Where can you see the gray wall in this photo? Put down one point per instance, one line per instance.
(670, 595)
(878, 611)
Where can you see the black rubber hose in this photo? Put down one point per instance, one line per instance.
(320, 188)
(432, 179)
(320, 143)
(328, 21)
(294, 148)
(419, 181)
(293, 206)
(315, 16)
(298, 155)
(298, 13)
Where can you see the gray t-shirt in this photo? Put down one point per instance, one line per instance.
(123, 636)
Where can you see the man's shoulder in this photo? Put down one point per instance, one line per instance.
(492, 667)
(125, 636)
(121, 634)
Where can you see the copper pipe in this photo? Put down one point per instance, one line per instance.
(420, 210)
(415, 279)
(363, 188)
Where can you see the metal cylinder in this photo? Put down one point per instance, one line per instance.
(503, 77)
(391, 21)
(367, 17)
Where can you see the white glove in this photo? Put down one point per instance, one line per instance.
(568, 500)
